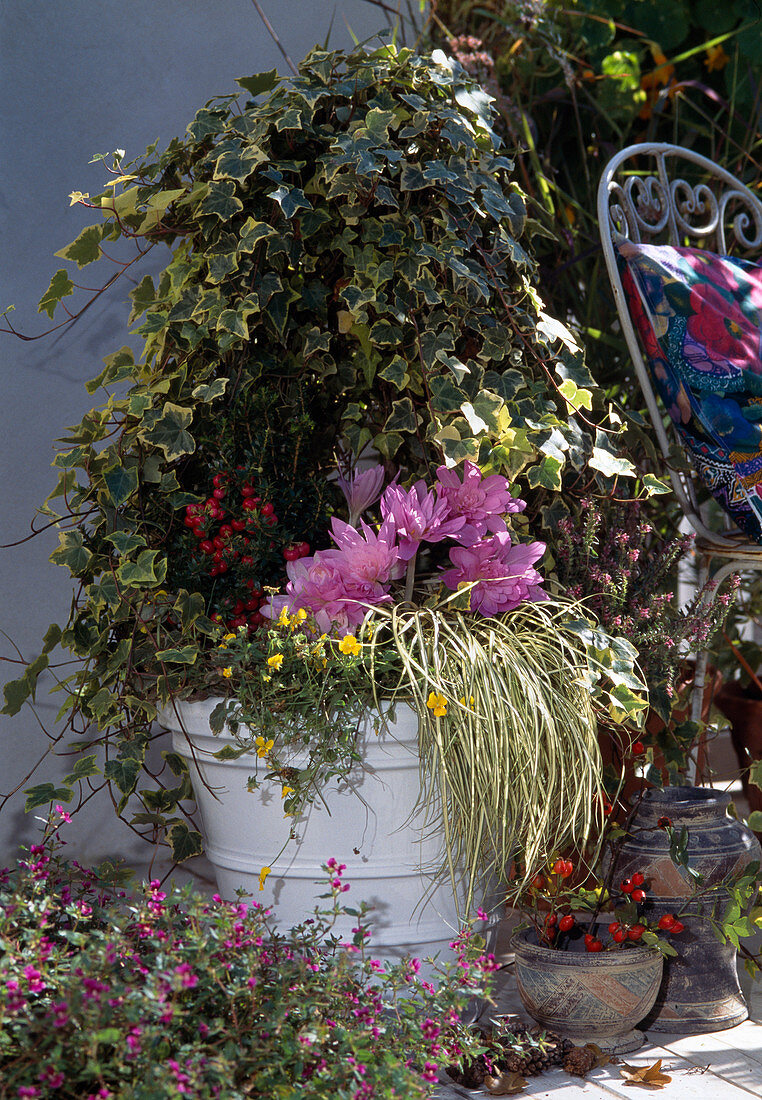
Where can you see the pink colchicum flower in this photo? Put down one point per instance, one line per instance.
(322, 586)
(503, 573)
(482, 501)
(368, 557)
(361, 489)
(418, 516)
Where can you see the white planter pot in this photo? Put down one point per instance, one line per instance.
(369, 828)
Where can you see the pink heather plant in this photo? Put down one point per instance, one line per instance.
(482, 501)
(419, 516)
(503, 573)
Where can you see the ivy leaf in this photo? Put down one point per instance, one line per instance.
(85, 249)
(72, 552)
(84, 766)
(60, 287)
(125, 541)
(610, 465)
(143, 571)
(210, 392)
(654, 486)
(575, 397)
(157, 206)
(546, 473)
(290, 199)
(121, 483)
(221, 202)
(124, 772)
(143, 295)
(251, 233)
(755, 821)
(167, 431)
(259, 82)
(185, 842)
(402, 417)
(186, 655)
(44, 793)
(238, 164)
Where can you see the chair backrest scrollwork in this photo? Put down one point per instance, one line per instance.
(654, 193)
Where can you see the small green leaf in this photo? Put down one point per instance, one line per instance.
(610, 465)
(290, 199)
(755, 821)
(184, 656)
(210, 392)
(185, 842)
(60, 287)
(259, 82)
(44, 793)
(166, 429)
(121, 483)
(654, 486)
(85, 249)
(403, 417)
(221, 202)
(546, 473)
(124, 772)
(144, 571)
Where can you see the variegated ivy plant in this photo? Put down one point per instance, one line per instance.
(348, 263)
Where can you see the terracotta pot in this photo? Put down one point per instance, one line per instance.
(588, 997)
(700, 991)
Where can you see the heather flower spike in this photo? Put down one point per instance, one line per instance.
(361, 489)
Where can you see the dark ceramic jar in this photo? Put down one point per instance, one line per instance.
(700, 990)
(588, 997)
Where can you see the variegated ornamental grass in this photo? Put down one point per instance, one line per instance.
(510, 763)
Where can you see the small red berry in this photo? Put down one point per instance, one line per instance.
(614, 927)
(563, 867)
(303, 548)
(566, 922)
(538, 882)
(594, 945)
(619, 936)
(207, 546)
(249, 504)
(248, 491)
(551, 920)
(238, 525)
(267, 509)
(218, 480)
(664, 822)
(638, 748)
(220, 493)
(638, 895)
(589, 937)
(637, 879)
(677, 927)
(636, 931)
(667, 922)
(291, 553)
(627, 886)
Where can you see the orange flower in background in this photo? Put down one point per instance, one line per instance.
(716, 59)
(663, 76)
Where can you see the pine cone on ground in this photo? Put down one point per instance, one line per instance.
(579, 1061)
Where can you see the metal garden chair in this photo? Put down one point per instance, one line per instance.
(666, 194)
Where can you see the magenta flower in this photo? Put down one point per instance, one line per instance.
(503, 573)
(482, 501)
(418, 516)
(361, 489)
(368, 557)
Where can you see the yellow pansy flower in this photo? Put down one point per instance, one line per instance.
(227, 672)
(437, 703)
(350, 645)
(263, 875)
(286, 791)
(263, 747)
(275, 661)
(462, 701)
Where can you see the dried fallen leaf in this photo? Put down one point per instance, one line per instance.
(507, 1084)
(648, 1077)
(601, 1059)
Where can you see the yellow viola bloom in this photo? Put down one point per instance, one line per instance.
(227, 672)
(286, 791)
(263, 875)
(275, 661)
(350, 645)
(229, 638)
(263, 747)
(462, 701)
(716, 58)
(437, 703)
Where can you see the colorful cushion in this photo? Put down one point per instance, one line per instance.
(699, 317)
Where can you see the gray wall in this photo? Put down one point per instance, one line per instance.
(79, 77)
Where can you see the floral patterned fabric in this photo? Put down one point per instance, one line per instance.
(699, 317)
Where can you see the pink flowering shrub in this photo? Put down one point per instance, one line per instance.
(165, 993)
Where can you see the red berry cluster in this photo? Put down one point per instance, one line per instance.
(228, 527)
